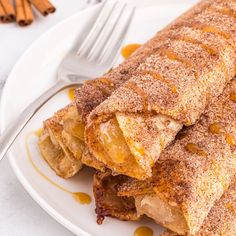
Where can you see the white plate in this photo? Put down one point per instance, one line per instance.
(35, 72)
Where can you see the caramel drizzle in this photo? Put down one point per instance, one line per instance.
(212, 51)
(170, 54)
(225, 11)
(232, 96)
(158, 77)
(133, 86)
(81, 197)
(217, 128)
(211, 29)
(97, 84)
(230, 207)
(230, 139)
(195, 149)
(105, 81)
(214, 30)
(71, 93)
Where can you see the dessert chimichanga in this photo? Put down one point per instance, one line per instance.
(193, 62)
(221, 219)
(192, 173)
(63, 149)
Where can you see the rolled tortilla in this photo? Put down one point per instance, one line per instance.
(193, 62)
(222, 217)
(194, 172)
(62, 143)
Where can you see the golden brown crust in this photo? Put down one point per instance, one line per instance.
(89, 160)
(108, 203)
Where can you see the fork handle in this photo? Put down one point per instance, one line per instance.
(11, 133)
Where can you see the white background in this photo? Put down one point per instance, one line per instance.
(19, 213)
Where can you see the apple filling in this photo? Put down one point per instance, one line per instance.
(113, 141)
(114, 151)
(162, 212)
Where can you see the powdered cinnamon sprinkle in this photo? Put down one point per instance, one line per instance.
(101, 84)
(175, 57)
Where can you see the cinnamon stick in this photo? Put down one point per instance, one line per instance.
(7, 12)
(3, 16)
(24, 14)
(43, 6)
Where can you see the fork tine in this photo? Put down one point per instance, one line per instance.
(116, 39)
(97, 28)
(106, 32)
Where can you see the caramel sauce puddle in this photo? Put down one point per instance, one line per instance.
(81, 197)
(71, 93)
(143, 231)
(129, 49)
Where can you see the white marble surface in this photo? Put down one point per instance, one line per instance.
(19, 213)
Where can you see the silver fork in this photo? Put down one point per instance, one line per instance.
(95, 56)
